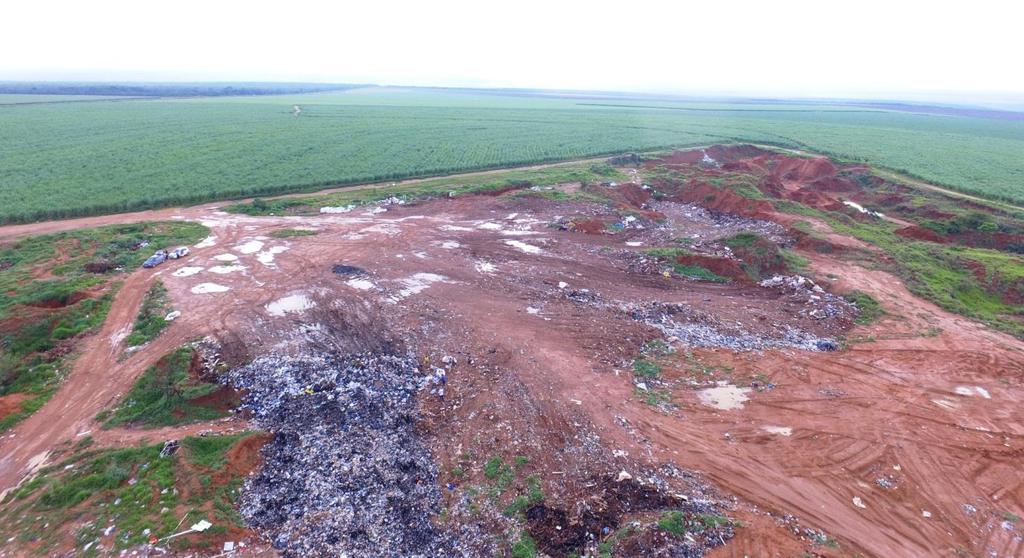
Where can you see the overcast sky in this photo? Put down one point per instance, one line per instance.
(807, 48)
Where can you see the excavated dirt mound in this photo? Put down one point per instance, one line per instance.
(921, 233)
(722, 154)
(723, 267)
(723, 200)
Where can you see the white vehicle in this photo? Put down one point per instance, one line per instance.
(179, 252)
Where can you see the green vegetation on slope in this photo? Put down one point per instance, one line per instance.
(150, 321)
(137, 491)
(52, 298)
(67, 159)
(165, 395)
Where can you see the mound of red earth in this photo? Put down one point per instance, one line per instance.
(723, 267)
(720, 199)
(722, 154)
(921, 233)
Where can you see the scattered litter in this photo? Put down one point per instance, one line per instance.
(862, 209)
(858, 502)
(623, 476)
(634, 243)
(532, 310)
(780, 430)
(337, 209)
(170, 446)
(226, 257)
(173, 315)
(450, 245)
(926, 513)
(528, 248)
(969, 391)
(562, 284)
(490, 226)
(945, 404)
(205, 288)
(485, 267)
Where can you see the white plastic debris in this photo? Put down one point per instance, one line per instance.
(858, 502)
(201, 526)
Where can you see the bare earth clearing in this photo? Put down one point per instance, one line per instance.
(909, 445)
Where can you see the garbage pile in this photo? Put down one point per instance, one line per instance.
(818, 304)
(346, 473)
(684, 325)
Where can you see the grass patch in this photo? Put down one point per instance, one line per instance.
(150, 321)
(210, 452)
(698, 272)
(292, 233)
(795, 263)
(646, 369)
(870, 309)
(673, 522)
(133, 489)
(165, 395)
(667, 252)
(525, 547)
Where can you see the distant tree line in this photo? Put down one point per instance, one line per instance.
(166, 89)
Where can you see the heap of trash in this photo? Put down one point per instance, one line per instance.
(346, 473)
(685, 326)
(817, 302)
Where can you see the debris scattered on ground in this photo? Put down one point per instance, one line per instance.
(688, 327)
(345, 472)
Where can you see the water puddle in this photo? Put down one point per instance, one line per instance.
(225, 269)
(250, 247)
(207, 242)
(360, 284)
(726, 397)
(290, 304)
(266, 257)
(204, 288)
(187, 271)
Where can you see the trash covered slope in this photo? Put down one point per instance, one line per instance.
(346, 472)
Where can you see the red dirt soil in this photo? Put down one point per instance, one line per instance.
(921, 233)
(10, 404)
(922, 416)
(723, 200)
